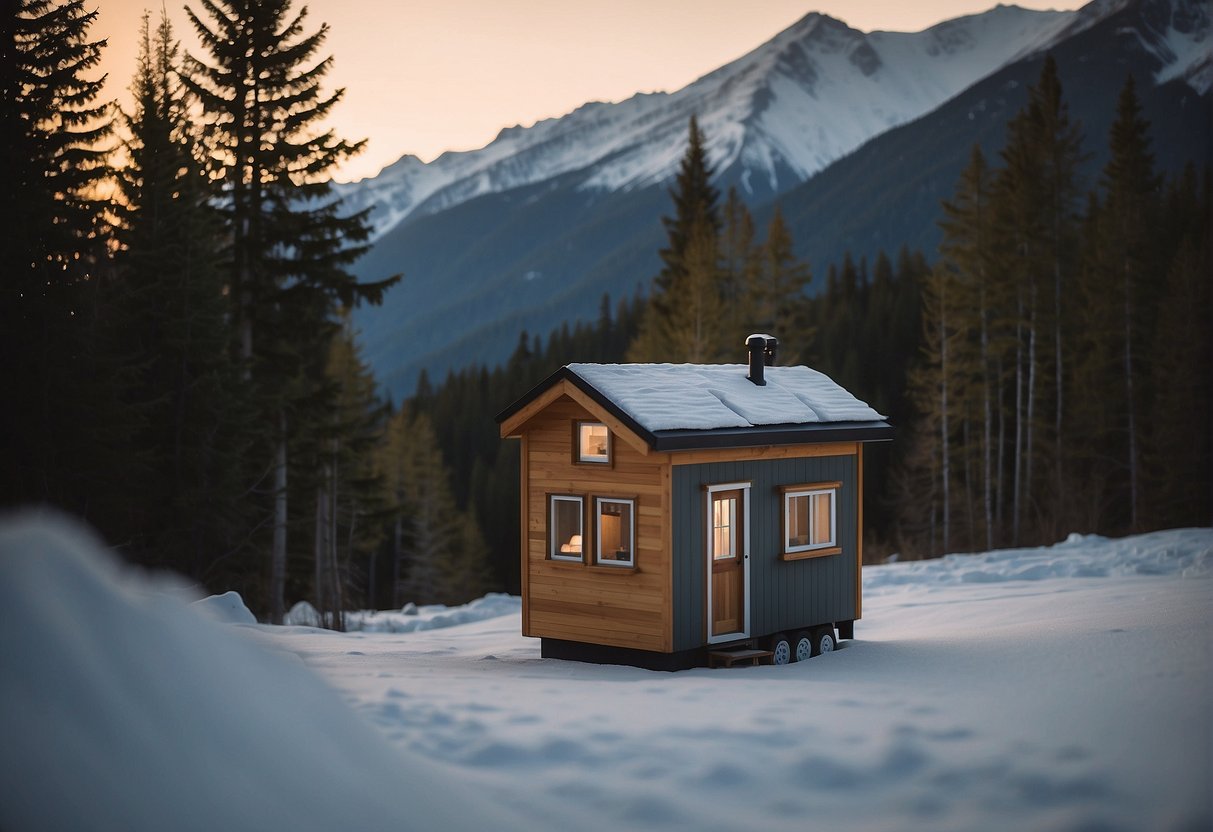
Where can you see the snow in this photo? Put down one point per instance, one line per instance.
(790, 107)
(122, 707)
(412, 618)
(228, 608)
(706, 396)
(1186, 49)
(1068, 687)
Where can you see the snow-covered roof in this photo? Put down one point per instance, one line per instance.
(660, 397)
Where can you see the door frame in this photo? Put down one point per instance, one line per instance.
(744, 488)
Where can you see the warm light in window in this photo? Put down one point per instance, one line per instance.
(809, 519)
(565, 528)
(593, 442)
(616, 532)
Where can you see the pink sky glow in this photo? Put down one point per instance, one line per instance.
(423, 78)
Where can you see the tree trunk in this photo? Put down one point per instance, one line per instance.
(1059, 479)
(943, 422)
(1018, 461)
(1128, 353)
(1030, 418)
(278, 553)
(986, 418)
(397, 533)
(1000, 480)
(318, 549)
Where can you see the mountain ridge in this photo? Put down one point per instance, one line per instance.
(531, 256)
(773, 116)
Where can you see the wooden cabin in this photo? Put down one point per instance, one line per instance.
(672, 512)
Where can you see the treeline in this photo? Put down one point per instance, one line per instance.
(1065, 380)
(174, 320)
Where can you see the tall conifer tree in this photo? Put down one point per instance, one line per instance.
(692, 230)
(172, 315)
(291, 246)
(53, 151)
(1120, 295)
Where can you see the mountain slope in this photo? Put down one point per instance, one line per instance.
(888, 192)
(534, 256)
(773, 117)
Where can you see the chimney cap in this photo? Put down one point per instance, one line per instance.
(761, 349)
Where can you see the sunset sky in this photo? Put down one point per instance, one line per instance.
(423, 78)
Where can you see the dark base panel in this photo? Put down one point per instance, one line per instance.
(554, 648)
(846, 629)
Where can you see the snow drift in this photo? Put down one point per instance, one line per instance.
(122, 708)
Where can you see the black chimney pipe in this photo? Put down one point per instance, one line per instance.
(761, 349)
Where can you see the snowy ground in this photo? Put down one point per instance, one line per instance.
(1061, 688)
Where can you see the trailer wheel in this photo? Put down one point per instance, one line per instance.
(804, 646)
(823, 640)
(781, 649)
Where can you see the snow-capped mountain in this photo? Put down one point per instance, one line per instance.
(773, 117)
(857, 136)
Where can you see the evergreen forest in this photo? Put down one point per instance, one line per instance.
(176, 300)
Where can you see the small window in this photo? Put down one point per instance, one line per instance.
(616, 531)
(565, 532)
(593, 442)
(724, 527)
(809, 517)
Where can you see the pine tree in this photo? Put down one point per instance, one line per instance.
(290, 244)
(170, 308)
(1035, 193)
(740, 264)
(781, 302)
(691, 262)
(1122, 259)
(349, 491)
(59, 426)
(1061, 154)
(442, 551)
(1177, 459)
(968, 248)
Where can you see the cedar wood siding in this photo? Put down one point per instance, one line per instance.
(580, 602)
(783, 595)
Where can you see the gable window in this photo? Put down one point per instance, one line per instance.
(810, 520)
(565, 528)
(593, 442)
(615, 531)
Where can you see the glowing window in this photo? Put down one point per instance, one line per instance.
(809, 518)
(565, 528)
(615, 532)
(593, 442)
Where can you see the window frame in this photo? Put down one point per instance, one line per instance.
(581, 459)
(554, 552)
(810, 550)
(630, 563)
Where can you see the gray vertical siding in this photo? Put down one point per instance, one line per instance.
(783, 595)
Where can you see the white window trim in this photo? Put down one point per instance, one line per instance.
(594, 459)
(598, 559)
(553, 543)
(787, 519)
(744, 488)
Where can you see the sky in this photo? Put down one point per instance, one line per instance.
(424, 78)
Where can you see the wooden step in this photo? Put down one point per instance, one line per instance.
(727, 658)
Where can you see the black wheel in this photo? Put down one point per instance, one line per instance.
(804, 646)
(823, 640)
(781, 649)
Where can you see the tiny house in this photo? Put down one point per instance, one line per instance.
(672, 511)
